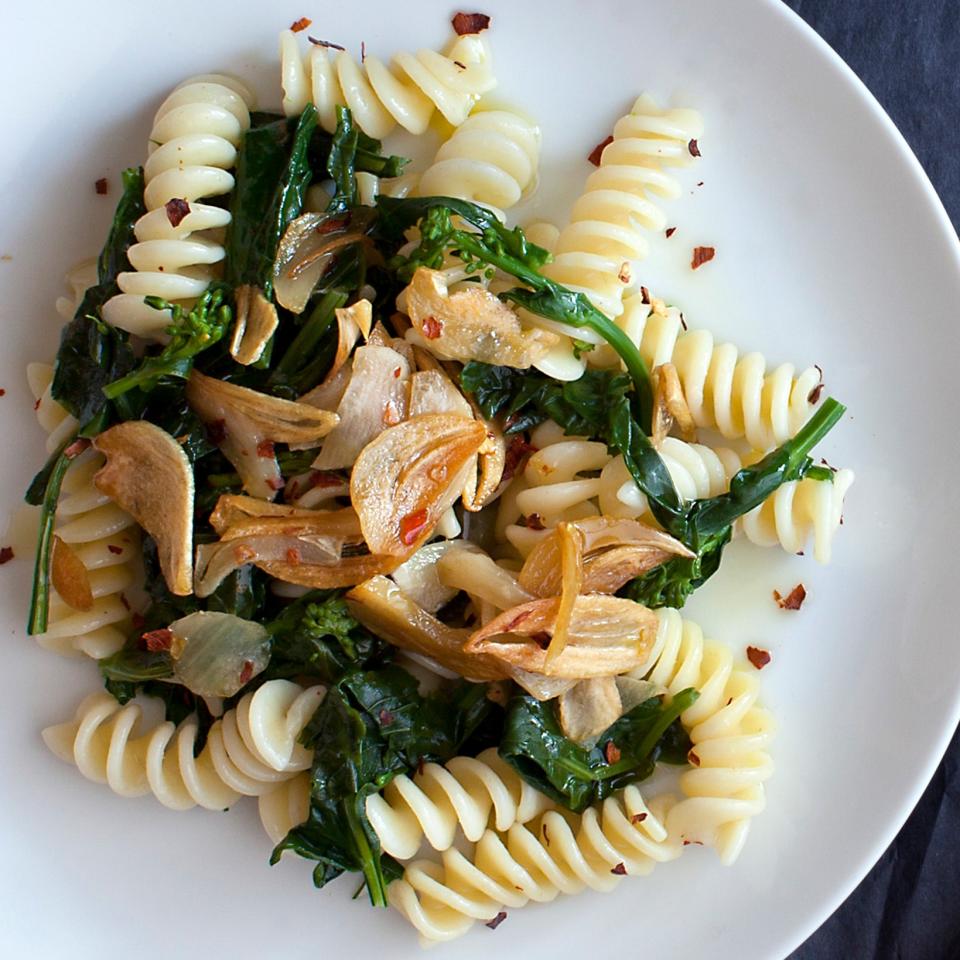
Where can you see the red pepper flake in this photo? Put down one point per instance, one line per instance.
(619, 870)
(624, 275)
(325, 43)
(391, 414)
(36, 404)
(177, 209)
(596, 154)
(432, 328)
(638, 818)
(333, 223)
(386, 717)
(412, 525)
(758, 657)
(247, 672)
(158, 640)
(101, 186)
(396, 373)
(670, 231)
(814, 395)
(516, 453)
(457, 63)
(546, 835)
(702, 255)
(6, 554)
(275, 483)
(516, 621)
(125, 601)
(265, 449)
(793, 600)
(502, 915)
(541, 638)
(683, 323)
(217, 431)
(323, 479)
(696, 843)
(694, 148)
(535, 522)
(298, 26)
(3, 392)
(420, 766)
(644, 295)
(800, 553)
(293, 556)
(465, 23)
(114, 549)
(825, 463)
(693, 758)
(363, 52)
(76, 448)
(700, 184)
(612, 752)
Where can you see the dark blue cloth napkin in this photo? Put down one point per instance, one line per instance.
(908, 53)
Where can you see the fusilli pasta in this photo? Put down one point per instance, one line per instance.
(192, 148)
(248, 751)
(379, 97)
(491, 159)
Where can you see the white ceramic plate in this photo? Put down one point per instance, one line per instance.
(831, 248)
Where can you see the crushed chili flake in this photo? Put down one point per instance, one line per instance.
(114, 549)
(333, 223)
(541, 638)
(700, 184)
(644, 295)
(265, 448)
(325, 43)
(596, 154)
(546, 835)
(293, 556)
(177, 209)
(396, 373)
(497, 920)
(694, 148)
(101, 186)
(465, 23)
(535, 522)
(412, 525)
(217, 431)
(298, 26)
(432, 328)
(517, 620)
(612, 752)
(391, 414)
(696, 843)
(457, 63)
(247, 672)
(758, 657)
(243, 554)
(683, 322)
(793, 600)
(619, 870)
(420, 766)
(638, 818)
(516, 453)
(386, 717)
(3, 392)
(670, 231)
(363, 52)
(624, 275)
(125, 601)
(157, 640)
(36, 404)
(76, 448)
(702, 255)
(693, 758)
(275, 483)
(6, 554)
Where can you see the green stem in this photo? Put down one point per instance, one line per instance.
(683, 700)
(371, 862)
(40, 594)
(305, 342)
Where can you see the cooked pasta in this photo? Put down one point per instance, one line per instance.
(192, 148)
(724, 390)
(559, 852)
(381, 98)
(104, 538)
(491, 159)
(247, 752)
(553, 488)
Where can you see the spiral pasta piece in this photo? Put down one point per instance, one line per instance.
(608, 221)
(726, 391)
(793, 514)
(248, 751)
(380, 97)
(560, 852)
(103, 537)
(491, 159)
(192, 148)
